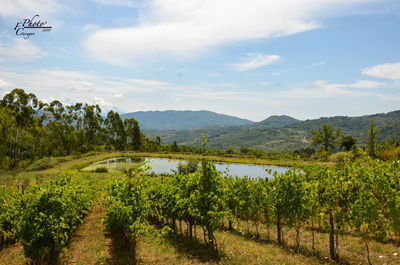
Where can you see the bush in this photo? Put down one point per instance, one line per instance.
(9, 200)
(50, 214)
(81, 166)
(41, 164)
(190, 166)
(338, 157)
(101, 170)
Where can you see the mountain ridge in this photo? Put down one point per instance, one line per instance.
(287, 137)
(182, 119)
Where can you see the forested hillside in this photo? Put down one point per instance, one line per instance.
(181, 120)
(283, 137)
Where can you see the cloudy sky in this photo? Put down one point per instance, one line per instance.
(248, 58)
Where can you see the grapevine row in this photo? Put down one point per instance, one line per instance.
(361, 197)
(45, 216)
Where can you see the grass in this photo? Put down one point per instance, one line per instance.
(92, 245)
(233, 249)
(88, 246)
(13, 255)
(351, 248)
(74, 164)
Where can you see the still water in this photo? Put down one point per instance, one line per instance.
(165, 165)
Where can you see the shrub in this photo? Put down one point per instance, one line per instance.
(49, 214)
(41, 164)
(101, 170)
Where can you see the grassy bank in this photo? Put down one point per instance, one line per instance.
(41, 169)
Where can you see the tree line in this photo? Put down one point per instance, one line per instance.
(31, 129)
(327, 140)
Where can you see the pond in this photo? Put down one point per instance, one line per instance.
(165, 165)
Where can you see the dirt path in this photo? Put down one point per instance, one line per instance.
(88, 245)
(12, 255)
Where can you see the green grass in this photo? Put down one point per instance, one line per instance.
(92, 245)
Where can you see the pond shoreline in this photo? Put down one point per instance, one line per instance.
(232, 159)
(167, 165)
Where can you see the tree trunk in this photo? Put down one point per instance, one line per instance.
(313, 240)
(204, 235)
(279, 228)
(132, 251)
(258, 234)
(311, 227)
(230, 225)
(337, 243)
(297, 237)
(332, 237)
(173, 225)
(210, 237)
(366, 246)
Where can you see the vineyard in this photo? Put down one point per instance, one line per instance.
(319, 209)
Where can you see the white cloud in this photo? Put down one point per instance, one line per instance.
(3, 85)
(27, 8)
(318, 64)
(388, 71)
(147, 82)
(106, 106)
(257, 61)
(183, 29)
(83, 86)
(71, 87)
(369, 84)
(276, 74)
(214, 74)
(90, 27)
(265, 83)
(317, 89)
(20, 50)
(323, 89)
(124, 3)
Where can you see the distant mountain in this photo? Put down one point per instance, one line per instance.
(276, 121)
(273, 134)
(182, 120)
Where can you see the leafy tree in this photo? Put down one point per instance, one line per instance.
(371, 139)
(175, 147)
(7, 123)
(325, 138)
(115, 130)
(92, 121)
(23, 107)
(133, 134)
(347, 142)
(230, 151)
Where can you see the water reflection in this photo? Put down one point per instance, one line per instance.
(165, 165)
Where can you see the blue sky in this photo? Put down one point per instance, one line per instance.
(252, 59)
